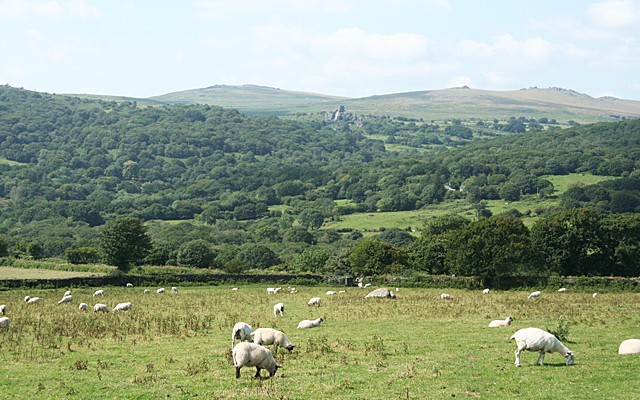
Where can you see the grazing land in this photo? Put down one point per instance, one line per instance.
(414, 347)
(24, 273)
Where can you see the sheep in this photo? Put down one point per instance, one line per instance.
(100, 307)
(485, 291)
(366, 285)
(129, 285)
(594, 295)
(629, 346)
(3, 309)
(123, 306)
(247, 354)
(174, 289)
(306, 324)
(445, 296)
(83, 307)
(234, 289)
(66, 299)
(278, 308)
(98, 293)
(146, 291)
(534, 339)
(4, 323)
(562, 290)
(537, 293)
(31, 300)
(315, 301)
(161, 290)
(496, 323)
(267, 336)
(67, 293)
(331, 292)
(271, 290)
(241, 331)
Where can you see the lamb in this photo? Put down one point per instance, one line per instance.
(267, 336)
(307, 324)
(31, 300)
(3, 309)
(485, 291)
(123, 306)
(496, 323)
(629, 346)
(537, 293)
(67, 293)
(129, 285)
(247, 354)
(534, 339)
(562, 290)
(445, 296)
(278, 308)
(100, 307)
(271, 290)
(83, 307)
(4, 323)
(315, 301)
(594, 295)
(174, 289)
(161, 290)
(66, 299)
(331, 292)
(146, 291)
(98, 293)
(241, 331)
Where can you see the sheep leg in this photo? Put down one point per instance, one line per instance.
(237, 372)
(541, 358)
(257, 375)
(518, 351)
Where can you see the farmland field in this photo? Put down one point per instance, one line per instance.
(416, 347)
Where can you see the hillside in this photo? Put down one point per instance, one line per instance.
(561, 104)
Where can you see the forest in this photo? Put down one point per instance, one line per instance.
(219, 189)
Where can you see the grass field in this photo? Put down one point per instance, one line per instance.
(22, 273)
(414, 347)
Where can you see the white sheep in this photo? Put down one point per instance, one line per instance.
(315, 301)
(367, 285)
(234, 289)
(4, 323)
(271, 290)
(123, 306)
(146, 291)
(3, 309)
(161, 290)
(331, 292)
(629, 346)
(562, 290)
(83, 307)
(534, 339)
(100, 307)
(445, 296)
(174, 289)
(31, 300)
(485, 291)
(306, 324)
(496, 323)
(268, 336)
(537, 293)
(247, 354)
(99, 292)
(278, 308)
(129, 285)
(241, 331)
(66, 299)
(67, 293)
(594, 295)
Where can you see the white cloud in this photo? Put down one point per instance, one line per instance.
(613, 13)
(505, 47)
(15, 9)
(46, 48)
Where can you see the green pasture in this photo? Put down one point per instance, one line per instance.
(414, 347)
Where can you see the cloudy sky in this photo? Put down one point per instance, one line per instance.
(352, 48)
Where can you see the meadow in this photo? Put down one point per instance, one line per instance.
(414, 347)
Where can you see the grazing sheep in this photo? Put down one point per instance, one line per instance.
(234, 289)
(306, 324)
(496, 323)
(100, 307)
(31, 300)
(174, 289)
(271, 290)
(367, 285)
(241, 331)
(267, 336)
(67, 293)
(3, 309)
(278, 308)
(534, 339)
(315, 301)
(129, 284)
(161, 290)
(381, 292)
(146, 291)
(629, 346)
(594, 295)
(4, 323)
(98, 293)
(247, 354)
(485, 291)
(123, 306)
(445, 296)
(331, 292)
(66, 299)
(562, 290)
(83, 307)
(537, 293)
(342, 291)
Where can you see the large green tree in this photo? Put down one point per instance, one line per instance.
(124, 242)
(372, 256)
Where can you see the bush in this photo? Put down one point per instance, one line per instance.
(82, 255)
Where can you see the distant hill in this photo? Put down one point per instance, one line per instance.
(463, 102)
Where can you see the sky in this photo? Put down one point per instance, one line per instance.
(351, 48)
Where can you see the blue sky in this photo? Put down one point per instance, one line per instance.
(352, 48)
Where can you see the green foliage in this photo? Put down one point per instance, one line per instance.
(371, 257)
(561, 331)
(82, 255)
(4, 247)
(124, 242)
(312, 260)
(311, 218)
(257, 256)
(197, 253)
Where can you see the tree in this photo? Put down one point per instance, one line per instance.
(4, 247)
(312, 259)
(396, 237)
(311, 218)
(124, 242)
(82, 255)
(372, 256)
(258, 256)
(623, 236)
(196, 253)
